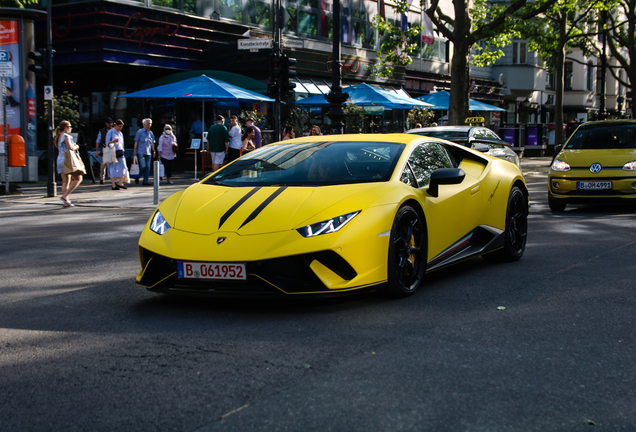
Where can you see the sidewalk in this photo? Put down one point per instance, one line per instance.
(88, 194)
(142, 197)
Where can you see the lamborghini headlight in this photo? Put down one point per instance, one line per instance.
(559, 165)
(327, 226)
(159, 224)
(630, 166)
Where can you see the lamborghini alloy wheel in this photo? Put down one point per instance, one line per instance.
(516, 232)
(407, 253)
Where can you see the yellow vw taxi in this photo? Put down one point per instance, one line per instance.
(598, 162)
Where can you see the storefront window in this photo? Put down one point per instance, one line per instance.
(190, 6)
(435, 51)
(258, 12)
(308, 23)
(569, 69)
(292, 24)
(231, 9)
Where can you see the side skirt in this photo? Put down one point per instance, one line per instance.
(479, 241)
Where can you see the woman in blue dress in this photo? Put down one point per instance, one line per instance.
(118, 170)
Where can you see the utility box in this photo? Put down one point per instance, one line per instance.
(17, 151)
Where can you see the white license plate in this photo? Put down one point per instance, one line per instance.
(211, 270)
(594, 185)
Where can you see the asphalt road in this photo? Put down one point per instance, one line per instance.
(544, 344)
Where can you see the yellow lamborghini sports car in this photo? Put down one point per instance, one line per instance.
(597, 163)
(332, 214)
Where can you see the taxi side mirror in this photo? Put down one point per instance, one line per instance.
(444, 176)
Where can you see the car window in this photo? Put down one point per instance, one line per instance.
(426, 158)
(312, 164)
(610, 136)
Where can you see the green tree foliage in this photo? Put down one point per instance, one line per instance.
(564, 25)
(355, 120)
(17, 3)
(494, 23)
(65, 107)
(423, 116)
(397, 45)
(296, 117)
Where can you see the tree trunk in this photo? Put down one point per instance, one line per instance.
(560, 82)
(460, 66)
(460, 85)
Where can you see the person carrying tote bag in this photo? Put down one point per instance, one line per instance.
(71, 176)
(117, 171)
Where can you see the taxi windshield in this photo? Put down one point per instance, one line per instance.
(610, 136)
(445, 134)
(312, 164)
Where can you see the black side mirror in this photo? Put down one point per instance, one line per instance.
(558, 148)
(444, 176)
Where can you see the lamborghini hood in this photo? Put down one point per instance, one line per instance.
(206, 209)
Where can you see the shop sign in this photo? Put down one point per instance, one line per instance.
(254, 44)
(140, 32)
(293, 43)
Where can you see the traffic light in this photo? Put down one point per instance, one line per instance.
(272, 90)
(287, 87)
(40, 59)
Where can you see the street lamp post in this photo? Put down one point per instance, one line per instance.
(336, 97)
(602, 110)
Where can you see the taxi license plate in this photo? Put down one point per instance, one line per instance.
(211, 270)
(594, 185)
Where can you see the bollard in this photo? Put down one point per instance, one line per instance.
(157, 180)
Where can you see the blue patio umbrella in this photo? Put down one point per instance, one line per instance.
(368, 95)
(441, 100)
(200, 88)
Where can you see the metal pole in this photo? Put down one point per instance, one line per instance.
(51, 186)
(6, 136)
(278, 28)
(336, 98)
(156, 185)
(602, 110)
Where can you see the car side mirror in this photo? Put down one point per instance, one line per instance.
(558, 148)
(444, 176)
(481, 147)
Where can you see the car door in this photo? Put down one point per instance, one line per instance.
(453, 213)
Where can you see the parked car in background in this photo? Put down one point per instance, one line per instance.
(596, 164)
(473, 137)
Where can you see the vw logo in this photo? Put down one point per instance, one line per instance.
(596, 168)
(220, 240)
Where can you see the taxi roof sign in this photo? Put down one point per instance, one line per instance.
(475, 120)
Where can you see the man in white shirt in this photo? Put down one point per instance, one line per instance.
(236, 141)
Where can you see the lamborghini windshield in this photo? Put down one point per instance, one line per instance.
(312, 164)
(604, 136)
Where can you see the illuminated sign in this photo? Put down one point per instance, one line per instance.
(130, 31)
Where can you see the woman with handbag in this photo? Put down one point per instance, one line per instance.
(117, 170)
(248, 144)
(64, 142)
(167, 150)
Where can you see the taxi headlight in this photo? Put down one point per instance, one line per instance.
(327, 226)
(560, 165)
(159, 224)
(630, 166)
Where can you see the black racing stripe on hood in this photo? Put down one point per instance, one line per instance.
(237, 205)
(263, 205)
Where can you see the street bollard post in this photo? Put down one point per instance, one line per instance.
(157, 180)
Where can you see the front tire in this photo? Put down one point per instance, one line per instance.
(556, 206)
(516, 232)
(407, 253)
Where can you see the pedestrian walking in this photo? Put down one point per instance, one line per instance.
(288, 133)
(218, 142)
(117, 171)
(64, 142)
(236, 143)
(145, 150)
(248, 140)
(167, 150)
(100, 143)
(258, 138)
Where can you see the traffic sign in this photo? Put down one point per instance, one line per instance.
(4, 56)
(48, 93)
(254, 44)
